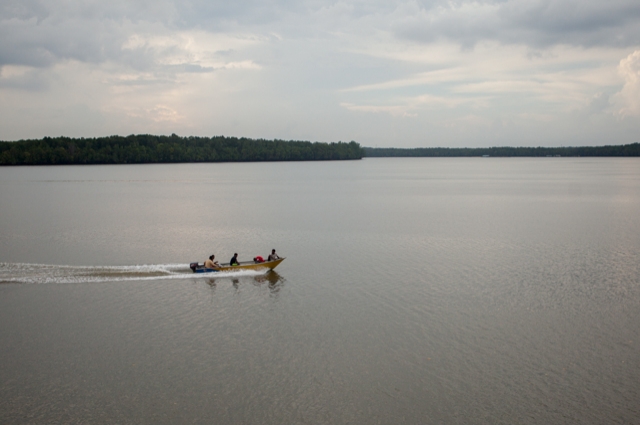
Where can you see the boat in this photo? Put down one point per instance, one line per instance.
(242, 265)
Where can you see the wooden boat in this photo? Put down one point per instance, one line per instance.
(243, 265)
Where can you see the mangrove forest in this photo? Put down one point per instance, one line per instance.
(616, 150)
(145, 148)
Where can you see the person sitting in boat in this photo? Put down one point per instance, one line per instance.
(258, 259)
(211, 263)
(234, 260)
(273, 256)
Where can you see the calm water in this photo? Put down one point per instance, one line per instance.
(435, 291)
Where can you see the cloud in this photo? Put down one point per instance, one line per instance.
(140, 34)
(536, 23)
(599, 103)
(627, 101)
(22, 78)
(42, 43)
(407, 107)
(376, 70)
(40, 33)
(561, 80)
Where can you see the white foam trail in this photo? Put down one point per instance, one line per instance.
(48, 273)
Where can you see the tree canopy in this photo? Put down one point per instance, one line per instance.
(619, 150)
(145, 148)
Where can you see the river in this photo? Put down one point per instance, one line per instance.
(414, 290)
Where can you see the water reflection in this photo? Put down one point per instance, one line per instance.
(272, 279)
(212, 283)
(271, 276)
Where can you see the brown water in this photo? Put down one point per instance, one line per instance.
(436, 291)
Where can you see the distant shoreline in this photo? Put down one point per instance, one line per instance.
(150, 149)
(630, 150)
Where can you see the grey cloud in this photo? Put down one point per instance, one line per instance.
(598, 104)
(222, 13)
(31, 81)
(27, 42)
(40, 33)
(60, 10)
(25, 9)
(262, 12)
(537, 23)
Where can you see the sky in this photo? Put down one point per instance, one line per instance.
(389, 73)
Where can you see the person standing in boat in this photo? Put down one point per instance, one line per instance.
(211, 263)
(273, 256)
(234, 260)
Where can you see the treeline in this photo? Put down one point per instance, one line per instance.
(619, 150)
(145, 148)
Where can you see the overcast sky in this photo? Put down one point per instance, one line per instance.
(382, 73)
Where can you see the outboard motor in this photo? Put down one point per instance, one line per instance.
(193, 266)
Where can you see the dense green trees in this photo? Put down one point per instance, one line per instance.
(619, 150)
(147, 148)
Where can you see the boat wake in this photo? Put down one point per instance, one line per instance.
(47, 273)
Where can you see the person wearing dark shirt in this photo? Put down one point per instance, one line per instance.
(234, 260)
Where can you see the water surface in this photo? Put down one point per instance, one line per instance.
(415, 290)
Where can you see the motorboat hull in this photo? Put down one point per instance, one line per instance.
(244, 265)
